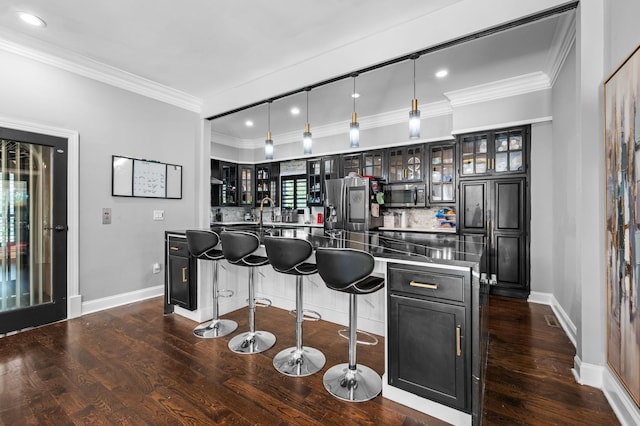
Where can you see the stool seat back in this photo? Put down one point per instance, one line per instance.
(237, 245)
(342, 268)
(286, 254)
(202, 244)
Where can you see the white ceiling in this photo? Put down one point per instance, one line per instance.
(203, 47)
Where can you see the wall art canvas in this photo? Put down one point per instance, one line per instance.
(622, 215)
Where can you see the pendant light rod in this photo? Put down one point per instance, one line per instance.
(480, 34)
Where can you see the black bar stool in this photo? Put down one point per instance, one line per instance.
(288, 255)
(202, 246)
(238, 248)
(349, 270)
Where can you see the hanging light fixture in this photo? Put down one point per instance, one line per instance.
(414, 114)
(307, 142)
(354, 127)
(268, 143)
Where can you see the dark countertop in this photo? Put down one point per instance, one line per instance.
(404, 246)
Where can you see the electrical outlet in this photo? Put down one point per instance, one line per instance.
(158, 215)
(156, 268)
(106, 216)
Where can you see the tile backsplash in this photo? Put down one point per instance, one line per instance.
(436, 219)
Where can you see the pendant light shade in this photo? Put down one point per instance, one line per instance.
(414, 114)
(307, 141)
(354, 127)
(268, 143)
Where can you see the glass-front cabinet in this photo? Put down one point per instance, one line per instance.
(373, 163)
(246, 185)
(405, 164)
(229, 184)
(314, 182)
(267, 183)
(493, 153)
(331, 167)
(351, 163)
(442, 179)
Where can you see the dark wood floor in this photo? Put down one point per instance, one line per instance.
(132, 365)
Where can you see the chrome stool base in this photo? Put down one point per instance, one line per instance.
(252, 343)
(296, 363)
(215, 328)
(357, 385)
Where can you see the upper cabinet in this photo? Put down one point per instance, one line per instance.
(373, 163)
(314, 182)
(266, 176)
(246, 184)
(442, 178)
(351, 163)
(229, 172)
(405, 164)
(494, 153)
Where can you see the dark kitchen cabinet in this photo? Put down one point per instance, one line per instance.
(352, 163)
(180, 274)
(494, 153)
(314, 182)
(216, 183)
(245, 177)
(405, 164)
(373, 164)
(429, 335)
(498, 210)
(229, 172)
(442, 174)
(266, 176)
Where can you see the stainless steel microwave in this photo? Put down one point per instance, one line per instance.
(405, 195)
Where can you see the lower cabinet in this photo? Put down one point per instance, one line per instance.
(181, 281)
(428, 350)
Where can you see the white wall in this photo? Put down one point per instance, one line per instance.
(561, 247)
(116, 258)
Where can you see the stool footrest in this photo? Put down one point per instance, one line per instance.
(307, 315)
(225, 293)
(344, 333)
(261, 302)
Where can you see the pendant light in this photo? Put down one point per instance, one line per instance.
(268, 143)
(414, 114)
(307, 142)
(354, 127)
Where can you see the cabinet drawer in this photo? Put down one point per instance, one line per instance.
(425, 281)
(178, 247)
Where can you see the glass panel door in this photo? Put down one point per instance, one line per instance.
(32, 230)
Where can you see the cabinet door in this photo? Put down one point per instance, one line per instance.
(442, 180)
(216, 189)
(509, 152)
(314, 183)
(352, 164)
(413, 164)
(507, 235)
(426, 349)
(396, 165)
(474, 155)
(229, 184)
(246, 185)
(473, 212)
(373, 164)
(266, 178)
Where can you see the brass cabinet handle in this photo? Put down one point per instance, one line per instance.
(184, 274)
(458, 349)
(432, 286)
(174, 248)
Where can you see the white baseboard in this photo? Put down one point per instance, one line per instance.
(623, 406)
(121, 299)
(587, 374)
(565, 322)
(74, 306)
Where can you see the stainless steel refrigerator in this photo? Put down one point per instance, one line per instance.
(352, 204)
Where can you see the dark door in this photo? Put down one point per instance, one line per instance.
(497, 209)
(33, 229)
(425, 349)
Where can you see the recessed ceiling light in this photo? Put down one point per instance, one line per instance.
(32, 19)
(248, 123)
(355, 95)
(442, 73)
(295, 111)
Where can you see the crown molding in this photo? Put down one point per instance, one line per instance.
(563, 39)
(431, 110)
(498, 89)
(98, 71)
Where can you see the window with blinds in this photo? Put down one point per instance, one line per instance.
(294, 192)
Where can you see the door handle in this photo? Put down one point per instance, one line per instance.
(184, 274)
(458, 343)
(57, 228)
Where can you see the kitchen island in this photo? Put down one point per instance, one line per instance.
(432, 312)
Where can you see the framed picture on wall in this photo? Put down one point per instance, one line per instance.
(622, 216)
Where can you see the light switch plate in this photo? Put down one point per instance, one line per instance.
(158, 215)
(106, 216)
